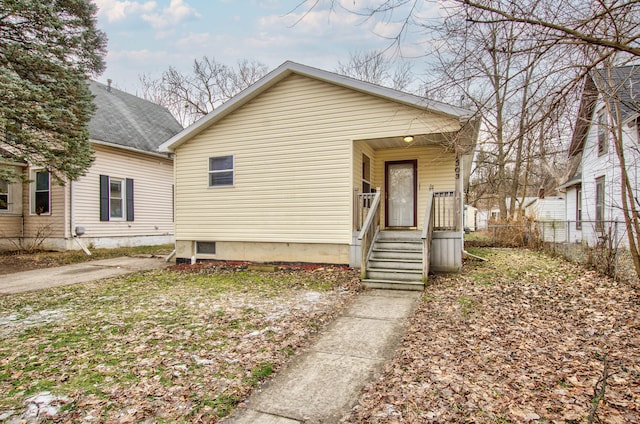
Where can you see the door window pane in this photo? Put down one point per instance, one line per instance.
(401, 195)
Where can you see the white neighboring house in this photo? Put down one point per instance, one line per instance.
(549, 213)
(470, 217)
(593, 192)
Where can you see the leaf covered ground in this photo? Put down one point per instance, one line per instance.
(521, 338)
(162, 346)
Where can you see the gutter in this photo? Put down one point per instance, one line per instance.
(131, 149)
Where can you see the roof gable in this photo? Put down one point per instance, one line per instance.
(289, 68)
(623, 84)
(129, 121)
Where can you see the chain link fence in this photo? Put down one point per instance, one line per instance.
(600, 244)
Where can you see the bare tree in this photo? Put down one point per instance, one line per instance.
(378, 69)
(503, 72)
(190, 96)
(521, 63)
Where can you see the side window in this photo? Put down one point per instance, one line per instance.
(603, 133)
(366, 174)
(579, 209)
(600, 204)
(116, 198)
(4, 195)
(41, 193)
(221, 171)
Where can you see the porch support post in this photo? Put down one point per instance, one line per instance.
(459, 201)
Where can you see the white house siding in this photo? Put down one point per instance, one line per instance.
(594, 166)
(550, 216)
(293, 164)
(153, 203)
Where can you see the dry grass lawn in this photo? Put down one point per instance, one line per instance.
(164, 346)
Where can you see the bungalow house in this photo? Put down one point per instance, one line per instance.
(124, 199)
(310, 166)
(593, 192)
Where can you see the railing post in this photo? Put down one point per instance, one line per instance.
(369, 229)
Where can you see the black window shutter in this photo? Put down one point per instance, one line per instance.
(129, 192)
(104, 197)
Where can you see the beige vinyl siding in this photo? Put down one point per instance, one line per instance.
(10, 226)
(153, 180)
(45, 225)
(436, 167)
(293, 164)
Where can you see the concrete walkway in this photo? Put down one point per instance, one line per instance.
(324, 383)
(78, 273)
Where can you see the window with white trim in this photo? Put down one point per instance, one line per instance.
(116, 198)
(600, 204)
(40, 192)
(603, 133)
(221, 171)
(4, 195)
(579, 209)
(366, 174)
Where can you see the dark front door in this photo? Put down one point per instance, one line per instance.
(401, 184)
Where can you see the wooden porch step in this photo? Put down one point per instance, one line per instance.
(395, 263)
(393, 285)
(394, 274)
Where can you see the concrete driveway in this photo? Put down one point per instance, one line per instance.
(78, 273)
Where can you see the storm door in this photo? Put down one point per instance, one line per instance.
(400, 195)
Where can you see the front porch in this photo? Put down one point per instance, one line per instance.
(402, 258)
(407, 216)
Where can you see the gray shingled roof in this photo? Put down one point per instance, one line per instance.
(126, 120)
(624, 85)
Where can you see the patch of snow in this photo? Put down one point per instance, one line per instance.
(43, 405)
(201, 361)
(14, 321)
(313, 297)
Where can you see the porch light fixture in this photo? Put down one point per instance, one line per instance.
(408, 139)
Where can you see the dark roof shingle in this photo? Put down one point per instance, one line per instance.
(126, 120)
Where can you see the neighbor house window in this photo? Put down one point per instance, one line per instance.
(4, 195)
(221, 171)
(600, 204)
(603, 133)
(116, 198)
(579, 209)
(41, 193)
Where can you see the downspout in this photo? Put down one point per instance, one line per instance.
(72, 220)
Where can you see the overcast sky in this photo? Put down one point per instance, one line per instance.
(149, 36)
